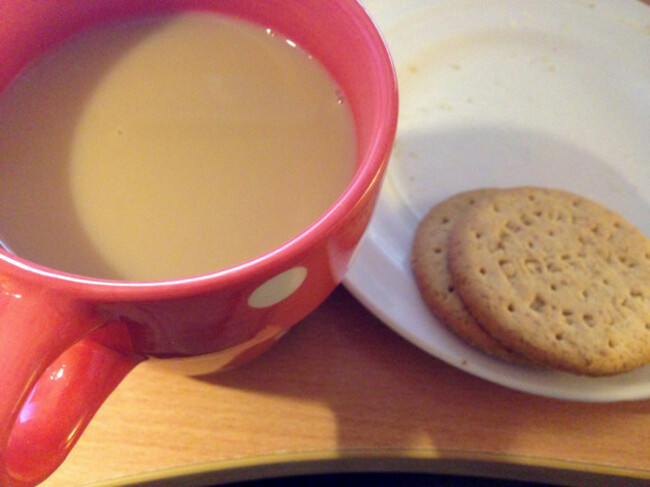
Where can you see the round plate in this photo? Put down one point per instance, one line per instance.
(553, 93)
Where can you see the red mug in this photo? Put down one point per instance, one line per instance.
(67, 341)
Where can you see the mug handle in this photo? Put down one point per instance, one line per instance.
(57, 366)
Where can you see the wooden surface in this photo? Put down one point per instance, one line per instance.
(341, 392)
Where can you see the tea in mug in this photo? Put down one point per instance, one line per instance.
(167, 147)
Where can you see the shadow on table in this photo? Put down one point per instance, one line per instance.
(386, 394)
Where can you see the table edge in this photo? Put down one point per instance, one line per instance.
(439, 462)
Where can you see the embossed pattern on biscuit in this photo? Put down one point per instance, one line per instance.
(429, 263)
(556, 277)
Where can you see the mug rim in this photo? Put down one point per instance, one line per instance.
(371, 165)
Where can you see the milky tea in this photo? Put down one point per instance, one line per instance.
(167, 147)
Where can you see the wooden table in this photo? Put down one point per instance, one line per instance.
(341, 392)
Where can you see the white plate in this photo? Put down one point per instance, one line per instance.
(503, 93)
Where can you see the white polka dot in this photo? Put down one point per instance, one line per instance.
(277, 288)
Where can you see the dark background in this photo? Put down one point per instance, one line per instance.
(384, 480)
